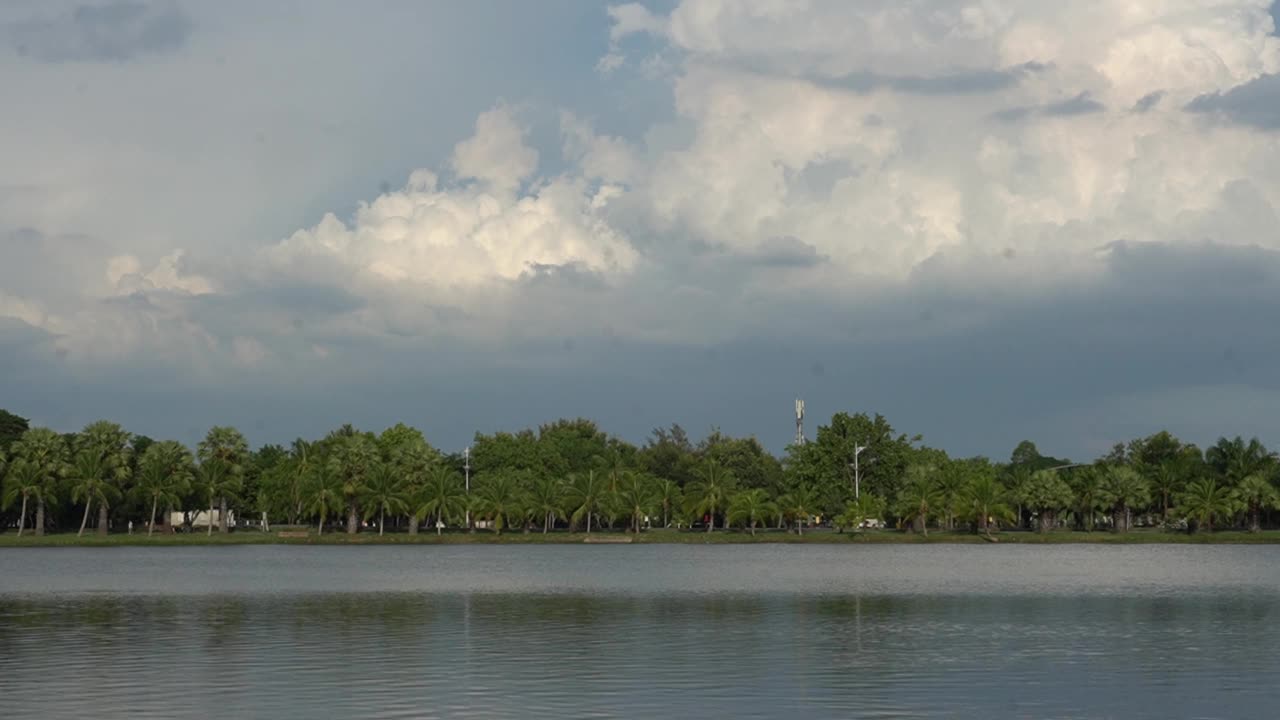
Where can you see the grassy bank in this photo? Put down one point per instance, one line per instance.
(828, 537)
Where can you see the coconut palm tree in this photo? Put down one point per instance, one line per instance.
(1016, 483)
(669, 498)
(443, 496)
(919, 497)
(323, 494)
(498, 497)
(986, 501)
(800, 503)
(1166, 481)
(1204, 500)
(1235, 459)
(165, 472)
(110, 443)
(1086, 484)
(384, 494)
(635, 497)
(217, 482)
(749, 507)
(22, 482)
(710, 493)
(1123, 489)
(865, 507)
(546, 500)
(230, 450)
(1254, 494)
(45, 451)
(586, 497)
(353, 459)
(90, 477)
(953, 480)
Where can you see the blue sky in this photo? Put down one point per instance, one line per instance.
(987, 221)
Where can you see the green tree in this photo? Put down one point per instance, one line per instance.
(165, 472)
(710, 493)
(12, 428)
(24, 482)
(1254, 494)
(953, 480)
(1086, 484)
(986, 501)
(547, 499)
(1123, 490)
(444, 496)
(919, 497)
(635, 497)
(1234, 460)
(353, 459)
(801, 504)
(669, 497)
(1205, 500)
(1047, 494)
(111, 443)
(91, 481)
(228, 449)
(1166, 480)
(217, 482)
(384, 494)
(498, 497)
(586, 497)
(749, 507)
(323, 494)
(865, 507)
(45, 451)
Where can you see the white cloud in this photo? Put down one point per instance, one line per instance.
(496, 154)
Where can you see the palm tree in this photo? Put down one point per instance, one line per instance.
(217, 481)
(384, 493)
(865, 507)
(919, 497)
(1047, 494)
(1086, 484)
(354, 458)
(669, 497)
(1255, 493)
(412, 461)
(1123, 489)
(91, 482)
(635, 497)
(1166, 480)
(586, 497)
(546, 499)
(1234, 459)
(323, 493)
(952, 482)
(1204, 500)
(749, 507)
(110, 443)
(46, 452)
(986, 501)
(1019, 476)
(710, 493)
(229, 448)
(165, 474)
(497, 497)
(800, 504)
(443, 496)
(23, 481)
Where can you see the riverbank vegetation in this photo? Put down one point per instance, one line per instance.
(858, 480)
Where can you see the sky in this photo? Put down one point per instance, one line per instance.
(988, 221)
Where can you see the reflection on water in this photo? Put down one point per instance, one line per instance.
(675, 652)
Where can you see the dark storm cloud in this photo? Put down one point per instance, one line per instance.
(786, 252)
(1148, 101)
(1255, 103)
(111, 32)
(963, 82)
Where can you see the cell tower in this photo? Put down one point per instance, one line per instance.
(800, 422)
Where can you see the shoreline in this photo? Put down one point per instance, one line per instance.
(652, 537)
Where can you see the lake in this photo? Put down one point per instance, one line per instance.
(519, 631)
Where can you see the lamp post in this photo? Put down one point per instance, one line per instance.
(466, 468)
(857, 450)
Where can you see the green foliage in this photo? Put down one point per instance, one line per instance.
(709, 495)
(751, 507)
(498, 497)
(1123, 490)
(12, 428)
(866, 507)
(586, 497)
(1204, 501)
(986, 501)
(1047, 494)
(919, 497)
(827, 463)
(1254, 494)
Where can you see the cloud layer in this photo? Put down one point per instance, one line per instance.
(943, 195)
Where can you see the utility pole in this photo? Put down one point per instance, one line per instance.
(466, 468)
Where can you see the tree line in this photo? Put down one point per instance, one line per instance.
(570, 475)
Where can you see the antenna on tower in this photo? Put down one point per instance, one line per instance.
(800, 440)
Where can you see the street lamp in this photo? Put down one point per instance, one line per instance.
(466, 468)
(857, 450)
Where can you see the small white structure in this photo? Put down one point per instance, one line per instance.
(200, 518)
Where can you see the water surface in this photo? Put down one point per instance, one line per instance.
(640, 631)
